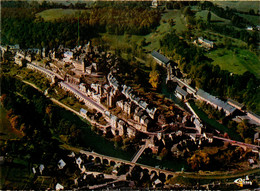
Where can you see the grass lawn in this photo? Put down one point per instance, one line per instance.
(251, 18)
(240, 5)
(124, 41)
(238, 61)
(214, 18)
(164, 28)
(52, 14)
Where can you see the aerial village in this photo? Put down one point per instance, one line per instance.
(82, 72)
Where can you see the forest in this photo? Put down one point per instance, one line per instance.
(21, 26)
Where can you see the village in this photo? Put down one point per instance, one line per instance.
(90, 75)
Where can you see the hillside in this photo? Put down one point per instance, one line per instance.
(240, 5)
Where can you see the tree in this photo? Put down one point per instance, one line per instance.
(199, 160)
(15, 122)
(187, 11)
(154, 78)
(209, 17)
(251, 12)
(164, 153)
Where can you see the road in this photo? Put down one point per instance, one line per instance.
(75, 91)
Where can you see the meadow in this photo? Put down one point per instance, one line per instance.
(236, 60)
(52, 14)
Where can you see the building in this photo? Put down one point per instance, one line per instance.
(68, 56)
(257, 138)
(130, 131)
(82, 87)
(154, 4)
(184, 86)
(215, 102)
(253, 117)
(249, 28)
(180, 93)
(160, 59)
(79, 65)
(205, 43)
(83, 112)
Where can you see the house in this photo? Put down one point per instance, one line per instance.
(41, 168)
(72, 154)
(14, 47)
(153, 112)
(251, 161)
(205, 43)
(257, 138)
(157, 183)
(130, 131)
(113, 121)
(61, 164)
(249, 28)
(79, 65)
(215, 102)
(120, 127)
(68, 56)
(83, 112)
(154, 4)
(161, 59)
(34, 171)
(137, 116)
(82, 87)
(59, 187)
(145, 120)
(78, 161)
(180, 93)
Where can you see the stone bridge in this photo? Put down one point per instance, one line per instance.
(113, 161)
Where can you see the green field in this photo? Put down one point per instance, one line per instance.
(251, 18)
(214, 18)
(236, 61)
(52, 14)
(240, 5)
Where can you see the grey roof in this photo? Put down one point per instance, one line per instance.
(239, 105)
(160, 57)
(207, 41)
(216, 101)
(113, 117)
(181, 91)
(83, 111)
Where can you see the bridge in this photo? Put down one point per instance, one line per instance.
(143, 147)
(112, 161)
(255, 148)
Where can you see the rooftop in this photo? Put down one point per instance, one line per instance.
(181, 91)
(216, 101)
(160, 57)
